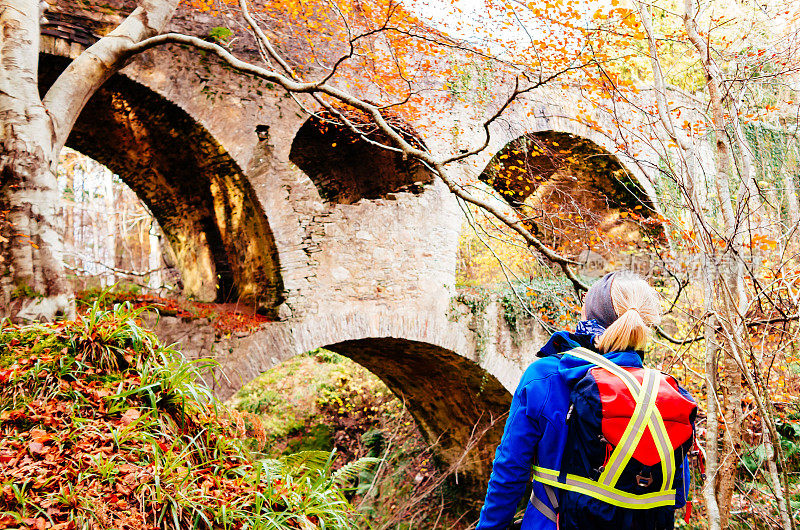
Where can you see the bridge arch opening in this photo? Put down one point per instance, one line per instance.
(450, 397)
(110, 237)
(574, 194)
(457, 405)
(200, 197)
(345, 168)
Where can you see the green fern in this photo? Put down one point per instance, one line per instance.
(352, 470)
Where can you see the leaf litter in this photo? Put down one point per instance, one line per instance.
(105, 427)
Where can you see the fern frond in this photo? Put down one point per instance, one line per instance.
(351, 470)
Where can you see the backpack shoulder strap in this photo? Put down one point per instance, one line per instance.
(645, 416)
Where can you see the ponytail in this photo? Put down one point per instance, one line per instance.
(638, 306)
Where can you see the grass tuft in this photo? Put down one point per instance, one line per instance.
(105, 427)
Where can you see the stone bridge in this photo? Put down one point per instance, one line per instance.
(347, 246)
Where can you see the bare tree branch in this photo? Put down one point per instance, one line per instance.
(408, 150)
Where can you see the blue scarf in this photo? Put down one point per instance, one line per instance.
(589, 327)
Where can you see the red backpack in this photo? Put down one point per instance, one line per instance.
(629, 430)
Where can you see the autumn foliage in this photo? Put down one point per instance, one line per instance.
(224, 318)
(103, 427)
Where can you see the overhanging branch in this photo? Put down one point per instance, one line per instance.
(317, 88)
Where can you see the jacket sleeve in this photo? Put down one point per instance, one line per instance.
(511, 470)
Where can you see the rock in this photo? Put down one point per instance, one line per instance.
(340, 274)
(284, 312)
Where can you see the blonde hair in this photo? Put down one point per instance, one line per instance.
(638, 307)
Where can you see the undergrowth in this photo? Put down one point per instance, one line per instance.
(105, 427)
(323, 400)
(226, 319)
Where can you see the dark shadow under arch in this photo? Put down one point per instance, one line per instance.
(450, 397)
(346, 169)
(200, 197)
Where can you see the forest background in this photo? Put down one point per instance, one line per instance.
(713, 92)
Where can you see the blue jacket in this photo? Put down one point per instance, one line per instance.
(536, 429)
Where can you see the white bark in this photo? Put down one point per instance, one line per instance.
(712, 421)
(33, 252)
(732, 275)
(73, 88)
(757, 217)
(774, 477)
(32, 133)
(110, 229)
(713, 77)
(154, 263)
(790, 189)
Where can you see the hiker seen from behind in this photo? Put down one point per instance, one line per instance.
(603, 438)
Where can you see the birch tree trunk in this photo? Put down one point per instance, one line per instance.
(68, 216)
(33, 283)
(120, 233)
(34, 279)
(110, 229)
(712, 419)
(730, 300)
(97, 243)
(790, 192)
(154, 262)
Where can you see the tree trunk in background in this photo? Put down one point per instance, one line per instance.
(98, 257)
(788, 173)
(68, 209)
(154, 282)
(81, 204)
(730, 300)
(143, 254)
(34, 283)
(713, 508)
(109, 226)
(119, 232)
(731, 389)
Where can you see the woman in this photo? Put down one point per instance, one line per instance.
(601, 433)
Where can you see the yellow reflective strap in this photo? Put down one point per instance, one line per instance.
(664, 448)
(611, 366)
(552, 473)
(633, 431)
(654, 421)
(604, 492)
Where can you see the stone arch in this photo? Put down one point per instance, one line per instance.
(345, 168)
(197, 192)
(568, 187)
(448, 395)
(424, 358)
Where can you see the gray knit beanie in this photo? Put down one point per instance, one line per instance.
(598, 302)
